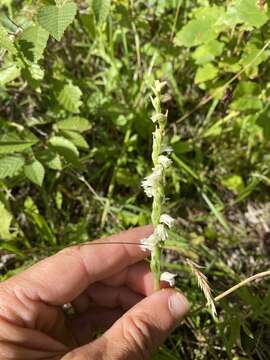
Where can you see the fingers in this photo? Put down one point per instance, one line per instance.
(140, 331)
(62, 277)
(106, 296)
(84, 326)
(114, 292)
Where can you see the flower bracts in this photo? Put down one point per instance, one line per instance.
(154, 185)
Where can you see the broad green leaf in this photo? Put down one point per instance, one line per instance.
(37, 73)
(251, 52)
(51, 159)
(10, 144)
(249, 13)
(206, 73)
(204, 28)
(33, 41)
(234, 183)
(76, 138)
(70, 98)
(8, 74)
(10, 166)
(208, 52)
(65, 148)
(74, 123)
(6, 42)
(6, 219)
(56, 19)
(35, 172)
(247, 102)
(101, 10)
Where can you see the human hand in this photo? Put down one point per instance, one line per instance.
(110, 288)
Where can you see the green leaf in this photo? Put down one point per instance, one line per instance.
(70, 98)
(6, 219)
(33, 41)
(204, 28)
(65, 148)
(10, 144)
(206, 73)
(35, 172)
(74, 123)
(10, 166)
(9, 74)
(234, 183)
(249, 13)
(208, 52)
(76, 138)
(56, 19)
(101, 10)
(51, 159)
(6, 42)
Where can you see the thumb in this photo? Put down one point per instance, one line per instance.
(140, 331)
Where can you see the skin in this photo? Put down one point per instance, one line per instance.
(109, 287)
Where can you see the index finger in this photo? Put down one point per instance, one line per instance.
(59, 279)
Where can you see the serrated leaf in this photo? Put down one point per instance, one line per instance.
(76, 138)
(51, 159)
(56, 19)
(9, 74)
(6, 42)
(35, 172)
(6, 219)
(70, 98)
(33, 41)
(101, 10)
(248, 12)
(10, 166)
(74, 123)
(10, 144)
(65, 148)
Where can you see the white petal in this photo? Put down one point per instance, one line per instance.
(161, 232)
(157, 117)
(167, 220)
(160, 85)
(168, 277)
(167, 149)
(150, 183)
(148, 243)
(164, 161)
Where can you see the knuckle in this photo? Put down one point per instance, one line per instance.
(139, 332)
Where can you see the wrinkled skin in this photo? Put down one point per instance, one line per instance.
(109, 287)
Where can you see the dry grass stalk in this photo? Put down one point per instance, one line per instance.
(203, 285)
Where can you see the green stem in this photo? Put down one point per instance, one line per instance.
(155, 266)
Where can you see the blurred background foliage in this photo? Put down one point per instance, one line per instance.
(75, 143)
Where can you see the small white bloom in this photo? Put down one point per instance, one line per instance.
(150, 183)
(148, 243)
(161, 232)
(160, 85)
(157, 117)
(167, 220)
(164, 161)
(168, 277)
(167, 149)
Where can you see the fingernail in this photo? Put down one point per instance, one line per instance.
(178, 305)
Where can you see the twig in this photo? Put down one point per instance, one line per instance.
(233, 289)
